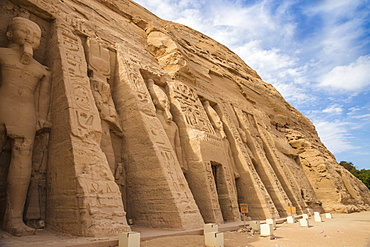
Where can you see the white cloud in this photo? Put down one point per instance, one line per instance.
(266, 62)
(352, 77)
(353, 110)
(366, 116)
(335, 135)
(170, 9)
(293, 93)
(333, 109)
(244, 17)
(340, 35)
(337, 43)
(194, 19)
(334, 7)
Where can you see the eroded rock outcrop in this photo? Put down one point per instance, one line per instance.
(149, 121)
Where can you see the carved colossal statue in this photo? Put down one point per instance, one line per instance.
(162, 105)
(99, 67)
(21, 115)
(215, 119)
(120, 178)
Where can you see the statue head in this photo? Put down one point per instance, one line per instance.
(26, 34)
(22, 31)
(150, 83)
(206, 103)
(214, 118)
(160, 99)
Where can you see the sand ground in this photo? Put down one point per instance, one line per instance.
(352, 230)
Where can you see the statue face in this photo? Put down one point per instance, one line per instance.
(24, 32)
(164, 103)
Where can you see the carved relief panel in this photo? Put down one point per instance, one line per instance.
(191, 107)
(129, 72)
(86, 121)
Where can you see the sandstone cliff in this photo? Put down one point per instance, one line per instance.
(157, 123)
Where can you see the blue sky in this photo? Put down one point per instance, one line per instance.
(315, 52)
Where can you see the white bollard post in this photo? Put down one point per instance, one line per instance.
(303, 222)
(210, 227)
(255, 225)
(305, 216)
(129, 239)
(328, 216)
(266, 230)
(317, 217)
(214, 239)
(290, 219)
(271, 222)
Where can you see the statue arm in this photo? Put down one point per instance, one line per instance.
(44, 100)
(178, 149)
(98, 98)
(116, 126)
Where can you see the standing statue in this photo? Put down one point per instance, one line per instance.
(215, 119)
(23, 80)
(99, 70)
(162, 105)
(120, 178)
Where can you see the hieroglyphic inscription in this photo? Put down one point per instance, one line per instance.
(85, 120)
(130, 73)
(98, 189)
(54, 10)
(191, 107)
(212, 139)
(170, 164)
(144, 62)
(169, 159)
(212, 185)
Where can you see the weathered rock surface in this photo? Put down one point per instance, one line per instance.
(159, 124)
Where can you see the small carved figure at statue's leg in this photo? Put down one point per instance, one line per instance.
(18, 181)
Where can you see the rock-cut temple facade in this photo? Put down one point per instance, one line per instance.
(110, 115)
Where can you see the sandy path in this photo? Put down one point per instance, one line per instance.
(352, 230)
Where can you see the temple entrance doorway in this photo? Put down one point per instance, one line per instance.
(223, 194)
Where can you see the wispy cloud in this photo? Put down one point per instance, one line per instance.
(267, 62)
(352, 77)
(333, 109)
(335, 135)
(366, 116)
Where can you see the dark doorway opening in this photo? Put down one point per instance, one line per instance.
(224, 199)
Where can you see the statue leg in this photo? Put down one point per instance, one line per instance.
(4, 164)
(2, 137)
(19, 176)
(107, 147)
